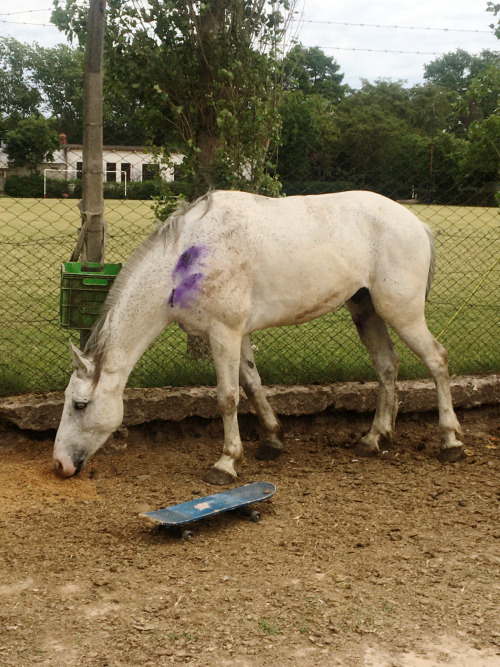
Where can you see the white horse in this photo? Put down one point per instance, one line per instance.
(232, 263)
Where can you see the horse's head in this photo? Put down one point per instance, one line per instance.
(92, 411)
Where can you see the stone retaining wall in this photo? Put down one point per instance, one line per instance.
(41, 412)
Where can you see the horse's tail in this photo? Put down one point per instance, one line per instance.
(432, 264)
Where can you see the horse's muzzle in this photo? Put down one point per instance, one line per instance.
(64, 466)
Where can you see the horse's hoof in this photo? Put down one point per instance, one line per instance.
(267, 451)
(450, 454)
(365, 450)
(219, 477)
(386, 442)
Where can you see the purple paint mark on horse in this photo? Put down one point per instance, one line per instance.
(189, 259)
(187, 277)
(185, 293)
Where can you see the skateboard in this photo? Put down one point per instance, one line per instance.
(200, 508)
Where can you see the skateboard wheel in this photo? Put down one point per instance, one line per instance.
(187, 535)
(255, 516)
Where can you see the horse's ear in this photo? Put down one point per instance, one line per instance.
(80, 362)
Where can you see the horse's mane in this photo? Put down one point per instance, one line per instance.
(166, 233)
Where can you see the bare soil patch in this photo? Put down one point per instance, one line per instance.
(382, 562)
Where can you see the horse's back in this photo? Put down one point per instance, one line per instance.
(358, 225)
(355, 209)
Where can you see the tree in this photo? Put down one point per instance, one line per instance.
(313, 72)
(313, 87)
(18, 97)
(32, 143)
(57, 72)
(36, 80)
(462, 73)
(481, 161)
(207, 77)
(307, 135)
(456, 70)
(430, 108)
(369, 140)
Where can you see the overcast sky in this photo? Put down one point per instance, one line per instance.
(363, 52)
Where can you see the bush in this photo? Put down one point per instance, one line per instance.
(135, 190)
(114, 190)
(142, 190)
(178, 189)
(58, 188)
(32, 186)
(24, 186)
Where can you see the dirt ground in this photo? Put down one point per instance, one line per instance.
(375, 562)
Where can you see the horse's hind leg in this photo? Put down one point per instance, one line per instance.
(226, 346)
(420, 340)
(272, 445)
(373, 333)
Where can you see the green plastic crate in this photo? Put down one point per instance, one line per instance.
(84, 292)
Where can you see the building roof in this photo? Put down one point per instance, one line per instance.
(129, 149)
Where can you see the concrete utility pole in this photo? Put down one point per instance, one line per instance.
(91, 243)
(92, 195)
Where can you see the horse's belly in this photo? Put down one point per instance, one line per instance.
(276, 311)
(312, 285)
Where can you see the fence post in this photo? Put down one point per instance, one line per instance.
(94, 227)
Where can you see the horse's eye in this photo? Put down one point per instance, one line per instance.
(80, 405)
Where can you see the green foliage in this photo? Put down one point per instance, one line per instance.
(269, 628)
(60, 188)
(135, 190)
(446, 182)
(311, 71)
(480, 163)
(316, 187)
(248, 122)
(456, 70)
(473, 81)
(216, 79)
(32, 142)
(32, 186)
(494, 8)
(429, 108)
(141, 189)
(308, 136)
(58, 73)
(366, 128)
(18, 98)
(36, 80)
(383, 137)
(24, 186)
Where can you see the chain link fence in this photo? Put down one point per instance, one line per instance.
(37, 234)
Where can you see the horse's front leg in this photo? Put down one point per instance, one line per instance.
(226, 345)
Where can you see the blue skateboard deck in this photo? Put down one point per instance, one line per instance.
(201, 508)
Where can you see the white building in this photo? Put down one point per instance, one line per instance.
(119, 164)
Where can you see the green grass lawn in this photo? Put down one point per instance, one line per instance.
(37, 235)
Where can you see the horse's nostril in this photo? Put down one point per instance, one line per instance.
(64, 470)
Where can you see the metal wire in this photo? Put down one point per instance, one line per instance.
(37, 234)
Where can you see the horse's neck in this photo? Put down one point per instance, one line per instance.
(137, 317)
